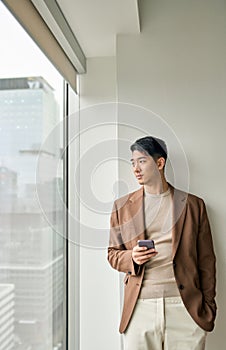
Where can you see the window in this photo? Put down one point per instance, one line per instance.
(33, 217)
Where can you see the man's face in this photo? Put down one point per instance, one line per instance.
(145, 168)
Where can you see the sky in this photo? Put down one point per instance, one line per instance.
(20, 56)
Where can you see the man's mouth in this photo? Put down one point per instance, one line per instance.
(138, 176)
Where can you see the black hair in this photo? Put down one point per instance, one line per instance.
(150, 145)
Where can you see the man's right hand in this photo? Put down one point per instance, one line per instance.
(141, 255)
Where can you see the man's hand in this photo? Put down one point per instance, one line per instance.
(141, 255)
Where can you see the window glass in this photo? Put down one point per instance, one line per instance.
(32, 248)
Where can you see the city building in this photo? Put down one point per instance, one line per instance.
(7, 311)
(31, 214)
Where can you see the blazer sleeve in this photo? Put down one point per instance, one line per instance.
(119, 257)
(206, 259)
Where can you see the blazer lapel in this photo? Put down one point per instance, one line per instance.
(136, 212)
(179, 212)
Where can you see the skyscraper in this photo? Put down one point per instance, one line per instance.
(31, 252)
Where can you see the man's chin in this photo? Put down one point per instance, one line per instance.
(141, 182)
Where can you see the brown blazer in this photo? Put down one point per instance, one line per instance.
(192, 254)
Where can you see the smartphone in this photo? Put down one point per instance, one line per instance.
(149, 243)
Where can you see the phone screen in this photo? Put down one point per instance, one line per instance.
(149, 243)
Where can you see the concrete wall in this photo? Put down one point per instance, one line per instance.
(176, 69)
(170, 82)
(99, 284)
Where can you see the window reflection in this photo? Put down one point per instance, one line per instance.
(31, 252)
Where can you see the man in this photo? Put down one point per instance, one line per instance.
(170, 289)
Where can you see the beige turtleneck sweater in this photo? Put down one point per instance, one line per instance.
(159, 280)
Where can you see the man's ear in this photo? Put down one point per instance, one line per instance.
(161, 163)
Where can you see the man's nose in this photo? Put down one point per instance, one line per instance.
(136, 167)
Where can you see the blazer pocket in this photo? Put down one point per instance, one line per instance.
(197, 283)
(126, 278)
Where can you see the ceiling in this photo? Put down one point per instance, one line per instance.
(95, 23)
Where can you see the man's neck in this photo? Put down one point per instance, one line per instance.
(157, 188)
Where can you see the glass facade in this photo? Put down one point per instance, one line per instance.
(32, 248)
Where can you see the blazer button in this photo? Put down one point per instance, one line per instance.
(181, 286)
(129, 273)
(174, 264)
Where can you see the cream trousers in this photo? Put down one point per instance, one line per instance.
(163, 324)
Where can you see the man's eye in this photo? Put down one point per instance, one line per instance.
(142, 161)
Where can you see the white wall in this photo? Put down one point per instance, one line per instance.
(176, 68)
(169, 81)
(99, 284)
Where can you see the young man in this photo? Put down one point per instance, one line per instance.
(170, 289)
